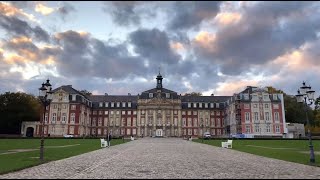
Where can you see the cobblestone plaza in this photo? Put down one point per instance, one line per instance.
(167, 158)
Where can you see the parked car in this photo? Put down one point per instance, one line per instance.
(207, 135)
(68, 136)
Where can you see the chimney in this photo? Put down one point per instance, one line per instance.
(212, 94)
(106, 94)
(129, 94)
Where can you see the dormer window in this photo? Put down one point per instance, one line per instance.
(150, 95)
(246, 96)
(167, 95)
(275, 97)
(129, 104)
(189, 105)
(123, 104)
(217, 104)
(118, 104)
(112, 104)
(100, 104)
(194, 105)
(73, 97)
(106, 104)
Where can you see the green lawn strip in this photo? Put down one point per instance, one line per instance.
(288, 150)
(21, 160)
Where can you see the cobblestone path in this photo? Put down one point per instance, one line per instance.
(167, 158)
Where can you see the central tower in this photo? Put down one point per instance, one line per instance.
(159, 81)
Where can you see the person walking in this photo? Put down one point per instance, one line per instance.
(109, 139)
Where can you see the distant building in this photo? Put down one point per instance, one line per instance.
(295, 130)
(255, 113)
(160, 112)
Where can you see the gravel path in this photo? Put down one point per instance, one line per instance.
(167, 158)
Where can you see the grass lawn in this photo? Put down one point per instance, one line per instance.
(20, 160)
(289, 150)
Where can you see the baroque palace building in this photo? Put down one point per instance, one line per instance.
(160, 112)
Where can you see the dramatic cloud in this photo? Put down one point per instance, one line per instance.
(187, 15)
(265, 30)
(118, 48)
(15, 26)
(153, 45)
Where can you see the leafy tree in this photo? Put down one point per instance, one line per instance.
(193, 94)
(15, 108)
(85, 92)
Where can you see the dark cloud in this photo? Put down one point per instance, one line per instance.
(65, 10)
(265, 31)
(153, 45)
(16, 26)
(186, 15)
(123, 12)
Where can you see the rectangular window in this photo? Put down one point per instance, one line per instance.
(73, 97)
(123, 112)
(175, 112)
(71, 130)
(206, 105)
(277, 129)
(99, 121)
(268, 128)
(111, 112)
(73, 118)
(247, 116)
(128, 121)
(207, 122)
(213, 124)
(105, 121)
(212, 113)
(246, 106)
(123, 104)
(189, 131)
(266, 106)
(54, 117)
(195, 131)
(129, 112)
(189, 122)
(195, 113)
(183, 112)
(217, 104)
(150, 95)
(184, 122)
(94, 112)
(194, 105)
(267, 117)
(195, 123)
(218, 113)
(275, 97)
(218, 122)
(265, 97)
(134, 112)
(200, 105)
(256, 128)
(106, 104)
(129, 104)
(128, 131)
(256, 116)
(134, 121)
(117, 112)
(211, 105)
(100, 104)
(106, 112)
(189, 112)
(100, 112)
(175, 121)
(143, 112)
(117, 121)
(276, 116)
(167, 95)
(64, 117)
(46, 118)
(118, 104)
(189, 105)
(255, 105)
(248, 129)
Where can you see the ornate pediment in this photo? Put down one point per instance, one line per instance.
(159, 101)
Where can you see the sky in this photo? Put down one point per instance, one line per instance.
(117, 48)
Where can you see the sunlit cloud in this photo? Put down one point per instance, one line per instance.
(44, 10)
(8, 10)
(206, 40)
(227, 18)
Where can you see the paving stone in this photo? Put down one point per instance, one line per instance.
(167, 158)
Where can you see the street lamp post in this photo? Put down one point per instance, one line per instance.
(45, 96)
(306, 96)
